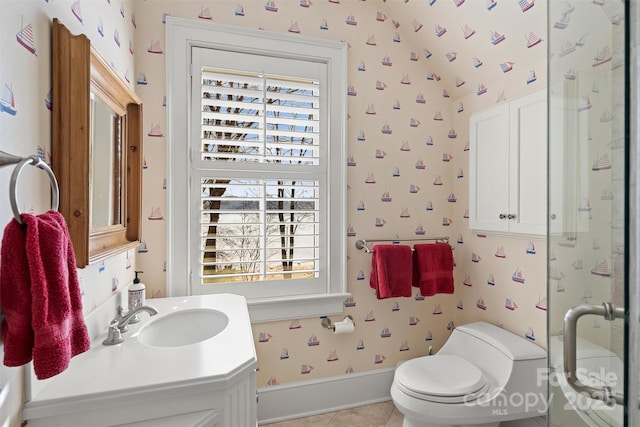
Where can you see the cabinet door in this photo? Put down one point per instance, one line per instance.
(489, 169)
(528, 164)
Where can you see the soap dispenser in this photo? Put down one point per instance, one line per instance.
(136, 296)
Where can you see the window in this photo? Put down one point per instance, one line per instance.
(260, 212)
(256, 147)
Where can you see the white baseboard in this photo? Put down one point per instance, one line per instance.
(307, 398)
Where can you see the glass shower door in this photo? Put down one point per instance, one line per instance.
(589, 234)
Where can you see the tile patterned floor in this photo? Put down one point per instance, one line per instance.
(376, 415)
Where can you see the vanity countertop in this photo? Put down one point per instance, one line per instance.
(105, 375)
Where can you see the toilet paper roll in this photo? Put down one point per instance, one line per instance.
(344, 327)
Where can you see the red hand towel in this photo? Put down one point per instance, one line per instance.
(433, 269)
(391, 271)
(15, 296)
(57, 322)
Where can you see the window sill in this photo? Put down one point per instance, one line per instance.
(296, 307)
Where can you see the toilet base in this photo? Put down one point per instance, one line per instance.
(413, 423)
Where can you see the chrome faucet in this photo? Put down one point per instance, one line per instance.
(119, 324)
(132, 316)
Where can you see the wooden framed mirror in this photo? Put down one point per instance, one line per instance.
(96, 149)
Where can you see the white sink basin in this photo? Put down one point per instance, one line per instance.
(183, 327)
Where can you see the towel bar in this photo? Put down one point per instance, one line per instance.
(363, 243)
(9, 159)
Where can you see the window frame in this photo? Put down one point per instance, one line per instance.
(183, 35)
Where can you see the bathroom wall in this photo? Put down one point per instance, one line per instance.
(397, 34)
(505, 67)
(518, 307)
(587, 78)
(402, 30)
(526, 314)
(25, 127)
(285, 349)
(405, 32)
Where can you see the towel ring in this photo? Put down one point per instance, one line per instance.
(13, 195)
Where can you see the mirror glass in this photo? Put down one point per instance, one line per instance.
(105, 172)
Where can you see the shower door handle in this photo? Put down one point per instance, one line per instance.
(609, 312)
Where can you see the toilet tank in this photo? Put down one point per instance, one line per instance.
(511, 345)
(509, 361)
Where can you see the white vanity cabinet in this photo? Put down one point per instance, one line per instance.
(210, 382)
(508, 158)
(230, 403)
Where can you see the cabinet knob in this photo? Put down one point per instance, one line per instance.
(502, 216)
(553, 216)
(511, 216)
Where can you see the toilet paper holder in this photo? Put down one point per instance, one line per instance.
(327, 323)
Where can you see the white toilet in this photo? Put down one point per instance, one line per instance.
(483, 375)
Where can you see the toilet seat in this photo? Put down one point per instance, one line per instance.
(441, 378)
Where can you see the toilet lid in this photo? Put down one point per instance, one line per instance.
(441, 378)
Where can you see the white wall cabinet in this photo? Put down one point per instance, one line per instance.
(508, 167)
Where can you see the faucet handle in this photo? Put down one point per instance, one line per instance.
(119, 324)
(120, 315)
(114, 335)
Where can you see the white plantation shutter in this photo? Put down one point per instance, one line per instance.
(261, 183)
(293, 125)
(256, 144)
(254, 118)
(232, 117)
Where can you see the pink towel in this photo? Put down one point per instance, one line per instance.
(433, 269)
(58, 331)
(391, 271)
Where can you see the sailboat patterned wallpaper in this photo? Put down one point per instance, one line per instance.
(25, 103)
(407, 163)
(25, 123)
